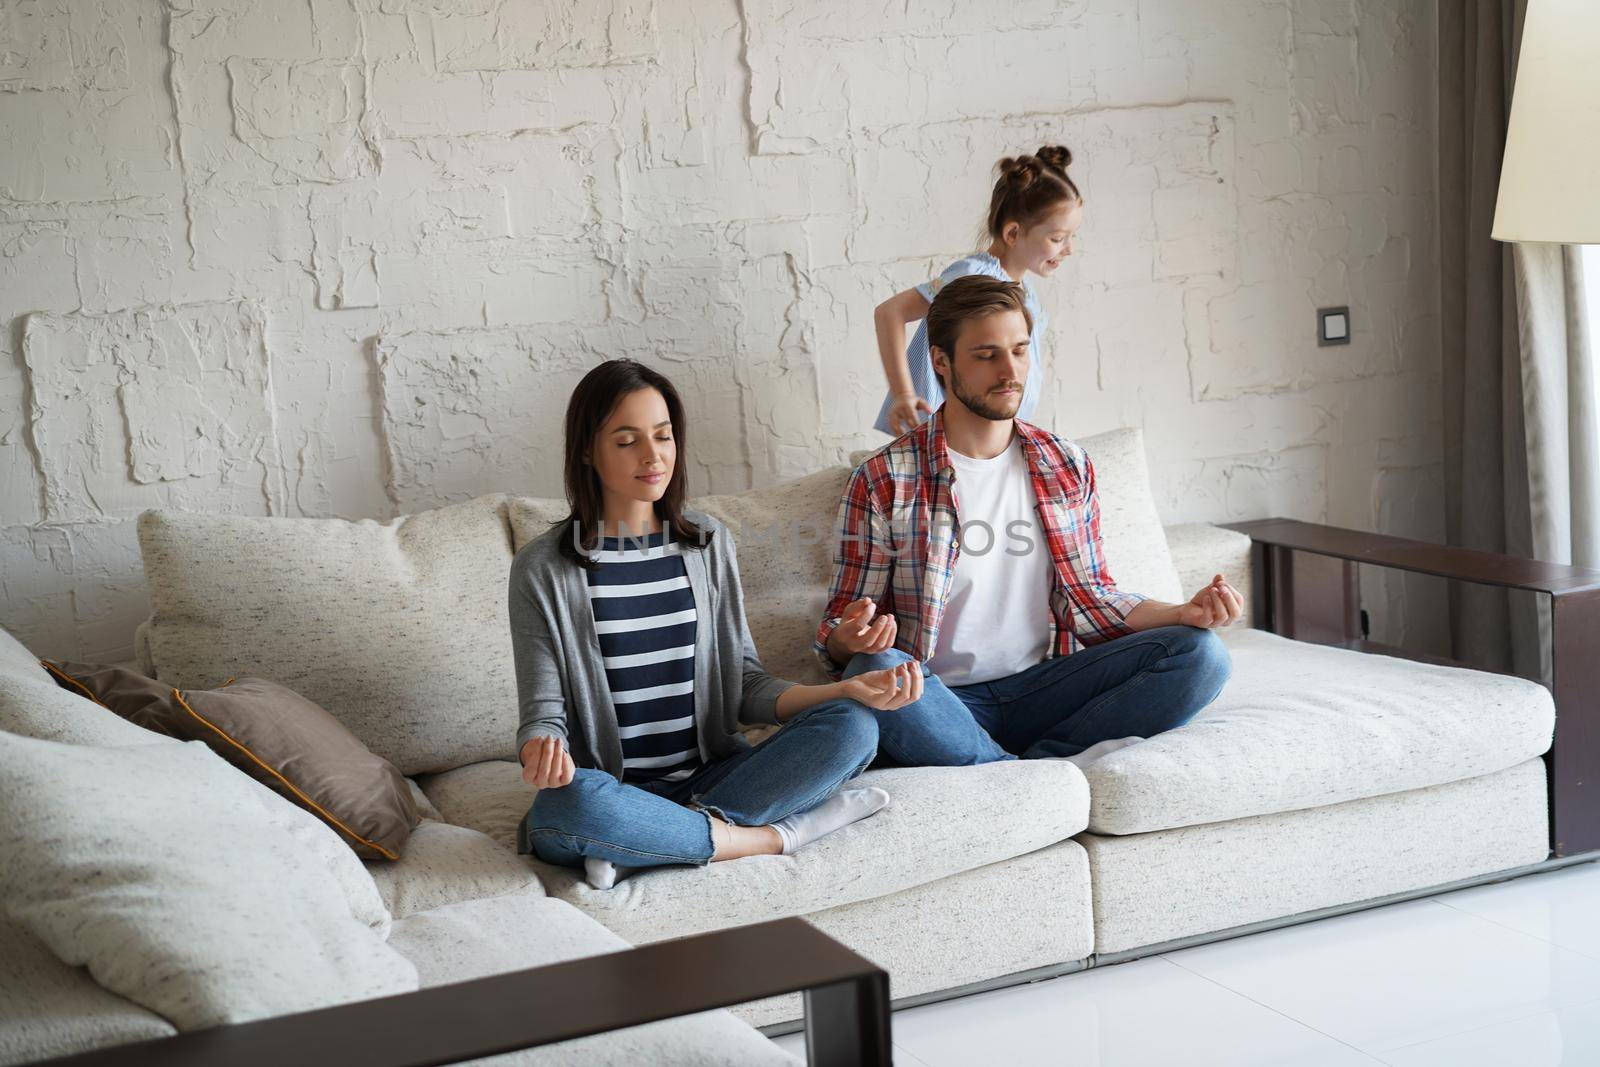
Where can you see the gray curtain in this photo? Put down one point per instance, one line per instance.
(1522, 433)
(1485, 462)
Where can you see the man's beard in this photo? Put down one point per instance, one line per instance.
(982, 405)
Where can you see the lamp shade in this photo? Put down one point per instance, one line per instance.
(1550, 178)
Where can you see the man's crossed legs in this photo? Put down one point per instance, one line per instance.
(1139, 685)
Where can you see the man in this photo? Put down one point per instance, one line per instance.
(971, 545)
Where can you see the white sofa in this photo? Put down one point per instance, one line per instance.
(1319, 778)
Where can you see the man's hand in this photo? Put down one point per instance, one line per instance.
(1218, 604)
(861, 629)
(885, 690)
(545, 764)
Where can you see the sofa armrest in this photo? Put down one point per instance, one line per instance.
(1421, 557)
(1574, 757)
(1201, 551)
(846, 1007)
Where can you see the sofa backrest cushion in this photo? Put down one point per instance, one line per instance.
(1130, 527)
(398, 628)
(785, 536)
(161, 870)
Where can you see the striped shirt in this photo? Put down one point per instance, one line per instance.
(898, 543)
(645, 616)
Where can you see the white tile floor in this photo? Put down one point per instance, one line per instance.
(1505, 975)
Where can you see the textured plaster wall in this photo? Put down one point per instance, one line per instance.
(346, 257)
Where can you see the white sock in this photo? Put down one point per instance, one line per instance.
(843, 808)
(602, 874)
(1101, 748)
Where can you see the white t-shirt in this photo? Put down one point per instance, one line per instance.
(997, 619)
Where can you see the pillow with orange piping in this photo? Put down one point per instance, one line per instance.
(274, 735)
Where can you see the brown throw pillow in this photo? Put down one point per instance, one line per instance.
(277, 737)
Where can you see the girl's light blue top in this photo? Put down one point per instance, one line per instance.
(926, 383)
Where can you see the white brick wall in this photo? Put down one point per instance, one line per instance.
(345, 257)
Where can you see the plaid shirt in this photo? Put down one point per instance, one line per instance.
(897, 525)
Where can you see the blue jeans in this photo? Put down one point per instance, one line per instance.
(654, 824)
(1134, 686)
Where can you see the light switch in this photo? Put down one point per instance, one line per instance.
(1333, 326)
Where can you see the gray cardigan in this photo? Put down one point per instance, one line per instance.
(561, 678)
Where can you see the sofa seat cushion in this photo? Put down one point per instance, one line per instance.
(478, 938)
(1301, 726)
(1016, 915)
(397, 628)
(489, 797)
(443, 863)
(1158, 887)
(940, 821)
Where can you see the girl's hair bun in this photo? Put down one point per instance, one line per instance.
(1029, 187)
(1019, 172)
(1057, 157)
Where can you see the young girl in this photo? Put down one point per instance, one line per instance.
(635, 668)
(1034, 212)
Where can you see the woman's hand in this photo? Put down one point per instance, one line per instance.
(885, 690)
(545, 763)
(1218, 604)
(906, 413)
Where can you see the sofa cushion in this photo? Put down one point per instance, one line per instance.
(1130, 527)
(478, 938)
(109, 851)
(14, 655)
(444, 864)
(1016, 915)
(276, 736)
(33, 705)
(397, 628)
(1201, 551)
(490, 797)
(48, 1009)
(786, 545)
(1301, 726)
(1157, 887)
(940, 821)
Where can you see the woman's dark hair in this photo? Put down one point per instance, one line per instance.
(592, 403)
(1030, 187)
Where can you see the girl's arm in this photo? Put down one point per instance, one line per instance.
(891, 318)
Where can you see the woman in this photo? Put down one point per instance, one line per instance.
(635, 668)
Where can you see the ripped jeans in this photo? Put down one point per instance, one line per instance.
(651, 825)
